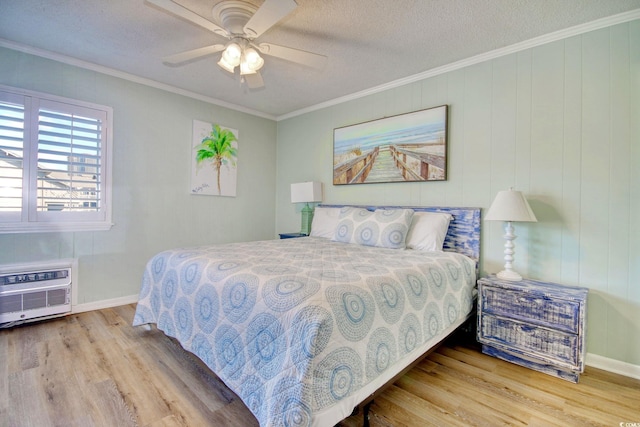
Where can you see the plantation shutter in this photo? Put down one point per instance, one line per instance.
(55, 172)
(69, 161)
(12, 119)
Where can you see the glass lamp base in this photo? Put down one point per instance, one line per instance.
(307, 217)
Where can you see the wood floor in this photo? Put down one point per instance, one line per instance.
(94, 369)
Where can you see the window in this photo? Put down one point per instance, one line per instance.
(55, 167)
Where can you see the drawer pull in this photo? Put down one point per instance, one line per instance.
(531, 302)
(528, 329)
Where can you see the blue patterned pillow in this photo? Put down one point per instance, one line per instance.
(386, 228)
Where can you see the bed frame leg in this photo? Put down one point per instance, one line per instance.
(365, 414)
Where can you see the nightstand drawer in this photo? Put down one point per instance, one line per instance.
(545, 343)
(554, 313)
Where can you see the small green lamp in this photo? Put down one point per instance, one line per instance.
(306, 192)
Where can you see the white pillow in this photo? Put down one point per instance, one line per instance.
(385, 228)
(325, 221)
(428, 230)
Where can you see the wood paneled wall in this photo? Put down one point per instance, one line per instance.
(560, 122)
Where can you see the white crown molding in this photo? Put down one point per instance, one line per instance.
(527, 44)
(612, 365)
(126, 76)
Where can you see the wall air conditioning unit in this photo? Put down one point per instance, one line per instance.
(30, 292)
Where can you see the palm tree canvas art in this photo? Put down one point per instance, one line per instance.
(214, 160)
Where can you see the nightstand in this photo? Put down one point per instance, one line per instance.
(291, 235)
(535, 324)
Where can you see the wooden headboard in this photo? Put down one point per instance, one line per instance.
(463, 235)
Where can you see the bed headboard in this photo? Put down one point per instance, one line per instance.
(463, 235)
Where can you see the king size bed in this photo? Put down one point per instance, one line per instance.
(304, 330)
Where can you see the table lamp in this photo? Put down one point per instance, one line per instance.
(510, 206)
(306, 192)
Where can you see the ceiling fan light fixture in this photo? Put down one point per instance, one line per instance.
(225, 65)
(252, 59)
(232, 53)
(240, 22)
(231, 56)
(244, 69)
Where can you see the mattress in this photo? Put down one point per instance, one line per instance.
(303, 330)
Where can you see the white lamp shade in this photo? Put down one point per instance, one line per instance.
(306, 192)
(510, 205)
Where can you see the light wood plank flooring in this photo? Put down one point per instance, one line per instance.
(94, 369)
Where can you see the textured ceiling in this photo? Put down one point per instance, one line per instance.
(368, 42)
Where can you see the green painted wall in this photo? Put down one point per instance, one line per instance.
(152, 207)
(561, 122)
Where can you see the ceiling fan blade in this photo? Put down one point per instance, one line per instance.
(190, 55)
(294, 55)
(254, 80)
(185, 13)
(269, 13)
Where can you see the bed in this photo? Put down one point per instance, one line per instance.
(304, 330)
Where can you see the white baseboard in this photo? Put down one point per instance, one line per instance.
(612, 365)
(99, 305)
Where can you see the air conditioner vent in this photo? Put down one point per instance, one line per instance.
(33, 293)
(57, 297)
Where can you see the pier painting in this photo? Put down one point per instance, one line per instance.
(406, 148)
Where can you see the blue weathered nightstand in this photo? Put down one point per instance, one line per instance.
(291, 235)
(535, 324)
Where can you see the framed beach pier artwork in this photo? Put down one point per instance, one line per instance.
(405, 148)
(214, 153)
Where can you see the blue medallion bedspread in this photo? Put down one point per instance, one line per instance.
(305, 329)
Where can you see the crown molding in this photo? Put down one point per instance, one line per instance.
(126, 76)
(527, 44)
(518, 47)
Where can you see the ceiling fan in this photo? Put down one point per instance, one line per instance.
(241, 24)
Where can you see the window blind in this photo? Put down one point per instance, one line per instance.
(11, 155)
(69, 162)
(55, 172)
